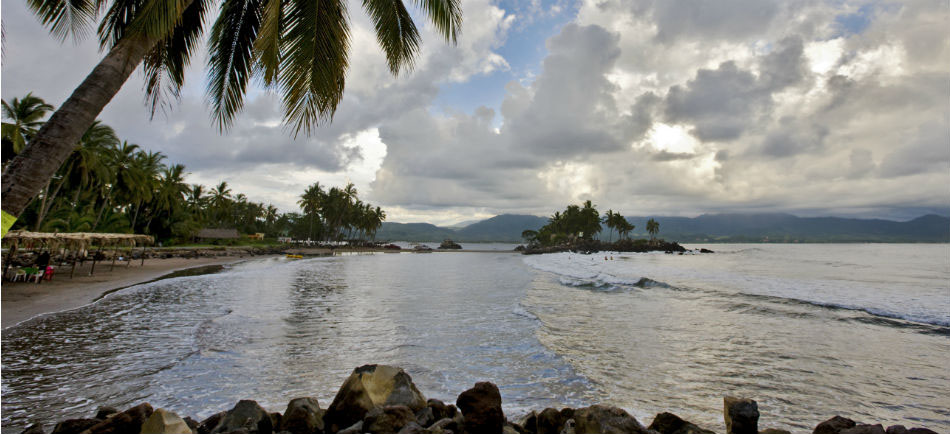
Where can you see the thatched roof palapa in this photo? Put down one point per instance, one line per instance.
(218, 233)
(75, 240)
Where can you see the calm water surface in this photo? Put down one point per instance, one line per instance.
(809, 331)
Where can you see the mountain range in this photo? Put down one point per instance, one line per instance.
(704, 228)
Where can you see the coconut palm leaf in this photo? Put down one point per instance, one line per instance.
(66, 17)
(395, 32)
(230, 62)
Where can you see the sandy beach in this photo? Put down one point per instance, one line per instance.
(22, 301)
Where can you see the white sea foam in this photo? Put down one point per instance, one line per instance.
(891, 281)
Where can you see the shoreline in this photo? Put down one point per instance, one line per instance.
(22, 301)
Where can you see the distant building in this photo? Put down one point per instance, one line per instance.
(217, 234)
(256, 236)
(284, 239)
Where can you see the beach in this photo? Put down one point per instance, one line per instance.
(22, 301)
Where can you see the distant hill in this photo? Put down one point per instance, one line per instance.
(704, 228)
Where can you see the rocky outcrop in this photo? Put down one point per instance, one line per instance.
(450, 245)
(302, 416)
(741, 415)
(481, 407)
(368, 387)
(165, 422)
(380, 399)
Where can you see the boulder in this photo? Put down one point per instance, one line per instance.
(447, 425)
(356, 428)
(368, 387)
(425, 417)
(246, 414)
(303, 416)
(863, 429)
(548, 421)
(569, 427)
(440, 410)
(602, 419)
(389, 419)
(129, 421)
(833, 425)
(669, 423)
(920, 431)
(193, 424)
(774, 431)
(212, 421)
(413, 428)
(165, 422)
(105, 411)
(34, 429)
(74, 426)
(481, 407)
(741, 415)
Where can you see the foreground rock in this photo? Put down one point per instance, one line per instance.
(741, 415)
(379, 399)
(481, 407)
(669, 423)
(165, 422)
(247, 415)
(303, 416)
(368, 387)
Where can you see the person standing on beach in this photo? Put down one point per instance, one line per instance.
(43, 261)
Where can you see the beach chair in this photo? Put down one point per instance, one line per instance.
(36, 276)
(19, 274)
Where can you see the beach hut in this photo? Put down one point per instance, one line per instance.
(74, 245)
(217, 234)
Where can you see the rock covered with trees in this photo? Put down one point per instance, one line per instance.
(577, 229)
(380, 399)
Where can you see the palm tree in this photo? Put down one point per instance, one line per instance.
(121, 177)
(653, 227)
(310, 202)
(26, 117)
(84, 163)
(610, 220)
(220, 202)
(299, 47)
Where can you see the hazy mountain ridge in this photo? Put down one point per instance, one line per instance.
(704, 228)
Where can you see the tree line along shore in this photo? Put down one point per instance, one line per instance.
(381, 399)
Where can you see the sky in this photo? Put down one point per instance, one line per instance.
(646, 107)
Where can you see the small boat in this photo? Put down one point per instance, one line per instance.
(294, 256)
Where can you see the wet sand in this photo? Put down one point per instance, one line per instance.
(22, 301)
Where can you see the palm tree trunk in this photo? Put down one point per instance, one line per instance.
(42, 205)
(47, 204)
(56, 140)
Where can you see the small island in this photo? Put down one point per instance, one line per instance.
(576, 229)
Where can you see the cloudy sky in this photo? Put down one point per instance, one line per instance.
(663, 107)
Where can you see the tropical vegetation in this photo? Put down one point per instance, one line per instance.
(581, 225)
(299, 48)
(110, 185)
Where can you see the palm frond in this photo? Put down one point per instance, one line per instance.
(116, 21)
(315, 47)
(158, 18)
(66, 17)
(395, 32)
(230, 62)
(165, 65)
(267, 45)
(446, 16)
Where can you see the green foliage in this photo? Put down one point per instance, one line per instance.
(108, 185)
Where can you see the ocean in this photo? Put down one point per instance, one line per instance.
(809, 331)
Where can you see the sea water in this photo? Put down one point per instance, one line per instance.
(809, 331)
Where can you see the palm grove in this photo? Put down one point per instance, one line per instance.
(110, 185)
(583, 223)
(299, 48)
